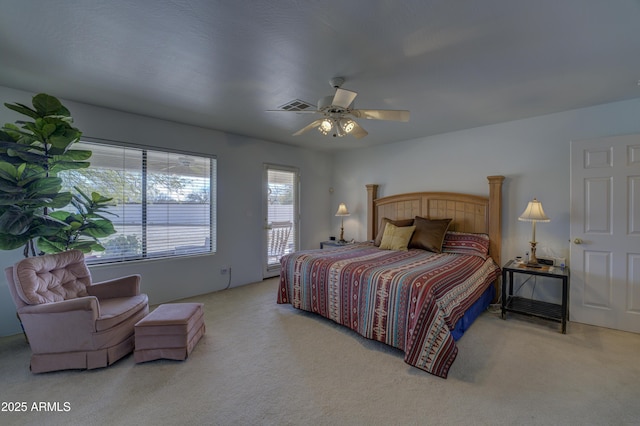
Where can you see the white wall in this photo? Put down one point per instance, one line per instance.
(533, 154)
(240, 210)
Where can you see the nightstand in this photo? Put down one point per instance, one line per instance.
(522, 305)
(332, 244)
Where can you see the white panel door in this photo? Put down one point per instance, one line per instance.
(605, 232)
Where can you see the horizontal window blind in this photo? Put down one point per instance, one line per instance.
(165, 202)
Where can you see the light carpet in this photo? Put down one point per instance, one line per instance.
(266, 364)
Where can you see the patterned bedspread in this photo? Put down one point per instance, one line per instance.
(407, 299)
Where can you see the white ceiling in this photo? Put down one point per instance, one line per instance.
(221, 64)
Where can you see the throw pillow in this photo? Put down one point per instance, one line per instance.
(466, 243)
(429, 234)
(396, 237)
(385, 220)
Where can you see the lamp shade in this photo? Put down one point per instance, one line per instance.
(342, 210)
(534, 213)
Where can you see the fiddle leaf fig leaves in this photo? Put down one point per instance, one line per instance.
(32, 154)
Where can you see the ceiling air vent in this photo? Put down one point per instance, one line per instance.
(297, 105)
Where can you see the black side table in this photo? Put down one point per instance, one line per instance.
(536, 308)
(332, 243)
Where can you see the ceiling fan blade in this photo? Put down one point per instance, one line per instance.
(382, 114)
(343, 98)
(358, 132)
(313, 125)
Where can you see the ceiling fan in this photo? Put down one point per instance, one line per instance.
(338, 115)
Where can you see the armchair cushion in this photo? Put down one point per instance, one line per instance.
(45, 279)
(116, 310)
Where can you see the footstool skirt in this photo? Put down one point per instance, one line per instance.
(171, 331)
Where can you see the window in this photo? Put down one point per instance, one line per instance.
(165, 202)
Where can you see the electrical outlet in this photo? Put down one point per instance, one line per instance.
(224, 270)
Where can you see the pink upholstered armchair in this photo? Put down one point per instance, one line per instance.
(71, 323)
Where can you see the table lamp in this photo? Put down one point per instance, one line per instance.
(342, 212)
(533, 213)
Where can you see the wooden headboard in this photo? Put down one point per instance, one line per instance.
(470, 213)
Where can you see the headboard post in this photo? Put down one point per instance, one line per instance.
(372, 194)
(495, 217)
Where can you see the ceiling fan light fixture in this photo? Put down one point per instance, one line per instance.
(347, 125)
(325, 127)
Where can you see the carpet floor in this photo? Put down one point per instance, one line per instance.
(266, 364)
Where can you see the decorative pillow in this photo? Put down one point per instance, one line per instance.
(466, 243)
(385, 220)
(429, 234)
(396, 237)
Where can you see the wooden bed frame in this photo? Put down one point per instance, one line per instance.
(470, 213)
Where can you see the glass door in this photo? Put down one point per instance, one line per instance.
(280, 217)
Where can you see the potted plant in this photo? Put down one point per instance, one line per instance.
(32, 200)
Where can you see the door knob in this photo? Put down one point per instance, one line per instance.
(577, 241)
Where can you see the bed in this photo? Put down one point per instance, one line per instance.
(418, 298)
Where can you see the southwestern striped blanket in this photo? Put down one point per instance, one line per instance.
(406, 299)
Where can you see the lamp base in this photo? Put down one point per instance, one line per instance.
(533, 260)
(537, 266)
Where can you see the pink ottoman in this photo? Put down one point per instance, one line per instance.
(171, 331)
